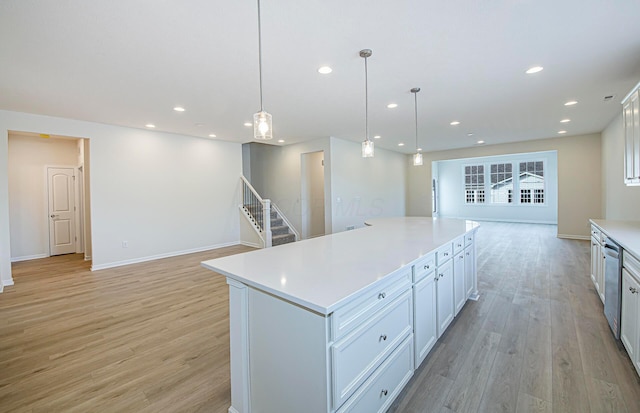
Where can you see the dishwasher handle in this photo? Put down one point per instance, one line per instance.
(611, 250)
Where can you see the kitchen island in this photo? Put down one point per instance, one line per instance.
(339, 323)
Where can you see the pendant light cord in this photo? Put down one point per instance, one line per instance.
(260, 55)
(366, 101)
(415, 95)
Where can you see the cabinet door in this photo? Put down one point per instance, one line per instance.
(630, 315)
(627, 114)
(595, 266)
(469, 270)
(601, 282)
(635, 115)
(458, 282)
(425, 321)
(446, 304)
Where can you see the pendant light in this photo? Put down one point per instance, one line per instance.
(262, 126)
(367, 145)
(417, 157)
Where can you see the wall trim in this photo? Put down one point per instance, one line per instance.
(29, 257)
(87, 257)
(160, 256)
(578, 237)
(251, 244)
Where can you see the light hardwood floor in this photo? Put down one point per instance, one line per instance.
(154, 337)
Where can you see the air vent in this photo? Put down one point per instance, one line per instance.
(608, 98)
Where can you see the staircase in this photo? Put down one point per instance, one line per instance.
(275, 230)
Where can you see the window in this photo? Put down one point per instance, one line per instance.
(531, 181)
(474, 184)
(501, 183)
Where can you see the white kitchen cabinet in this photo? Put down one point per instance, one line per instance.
(631, 124)
(425, 316)
(459, 290)
(630, 318)
(469, 269)
(444, 291)
(597, 261)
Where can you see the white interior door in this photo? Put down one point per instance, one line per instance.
(62, 232)
(312, 194)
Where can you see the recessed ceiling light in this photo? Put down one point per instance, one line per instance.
(212, 135)
(565, 120)
(150, 125)
(562, 132)
(480, 142)
(377, 137)
(325, 70)
(280, 140)
(247, 124)
(571, 103)
(401, 144)
(534, 69)
(469, 134)
(454, 123)
(179, 109)
(419, 149)
(392, 105)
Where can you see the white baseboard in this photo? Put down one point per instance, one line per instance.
(579, 237)
(160, 256)
(87, 257)
(251, 244)
(29, 257)
(6, 283)
(233, 410)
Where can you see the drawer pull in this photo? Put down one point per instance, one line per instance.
(468, 253)
(383, 337)
(446, 254)
(382, 296)
(441, 275)
(459, 245)
(384, 392)
(426, 267)
(633, 290)
(461, 257)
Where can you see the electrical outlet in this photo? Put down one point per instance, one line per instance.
(125, 244)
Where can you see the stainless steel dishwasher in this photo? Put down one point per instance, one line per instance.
(612, 285)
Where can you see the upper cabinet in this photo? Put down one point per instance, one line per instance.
(631, 121)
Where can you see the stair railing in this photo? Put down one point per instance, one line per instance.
(258, 209)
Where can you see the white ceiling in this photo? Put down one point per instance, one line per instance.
(129, 62)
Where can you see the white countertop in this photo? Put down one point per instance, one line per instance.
(322, 273)
(625, 233)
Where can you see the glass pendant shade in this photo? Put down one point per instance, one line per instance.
(367, 149)
(417, 159)
(262, 127)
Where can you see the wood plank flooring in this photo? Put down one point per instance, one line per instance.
(536, 341)
(154, 337)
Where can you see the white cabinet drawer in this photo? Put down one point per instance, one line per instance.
(358, 310)
(377, 394)
(356, 356)
(631, 264)
(444, 253)
(424, 266)
(458, 244)
(468, 238)
(595, 232)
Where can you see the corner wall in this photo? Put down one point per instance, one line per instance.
(579, 178)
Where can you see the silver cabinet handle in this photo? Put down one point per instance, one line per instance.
(384, 392)
(383, 337)
(381, 296)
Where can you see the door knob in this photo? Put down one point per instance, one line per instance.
(53, 215)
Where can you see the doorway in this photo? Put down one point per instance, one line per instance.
(312, 194)
(48, 175)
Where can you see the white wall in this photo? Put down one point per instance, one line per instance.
(165, 194)
(451, 195)
(579, 178)
(365, 188)
(28, 203)
(276, 173)
(620, 202)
